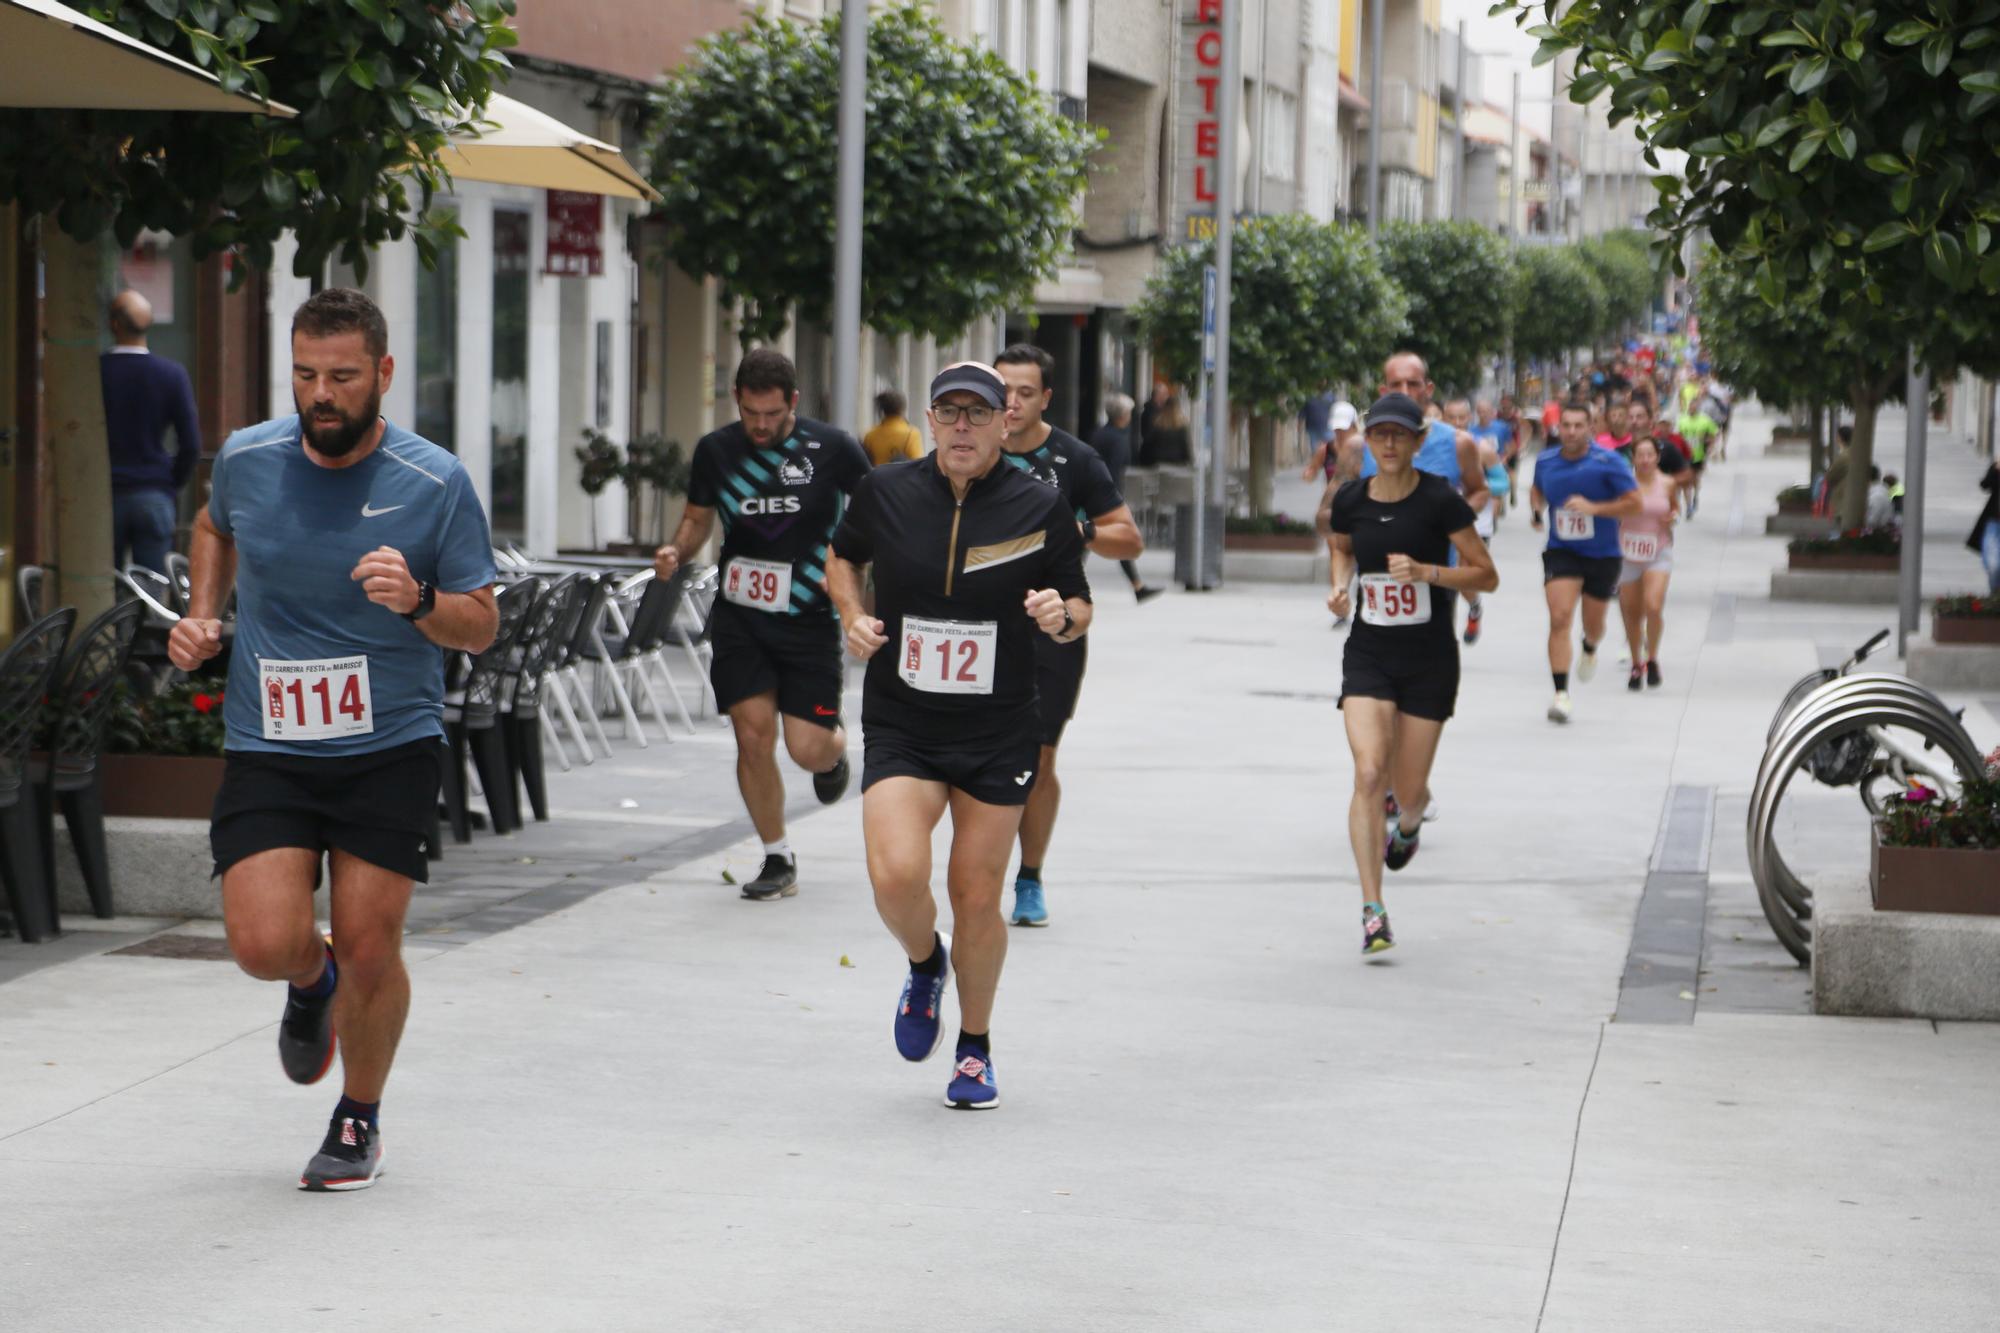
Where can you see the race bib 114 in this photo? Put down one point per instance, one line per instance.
(315, 701)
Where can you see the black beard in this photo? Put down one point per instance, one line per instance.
(339, 440)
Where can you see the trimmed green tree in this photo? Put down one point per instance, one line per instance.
(1840, 153)
(1559, 303)
(1310, 308)
(1456, 275)
(973, 179)
(1625, 270)
(379, 85)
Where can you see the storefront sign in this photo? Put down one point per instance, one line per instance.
(576, 235)
(1198, 146)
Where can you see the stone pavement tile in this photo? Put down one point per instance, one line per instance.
(1776, 1174)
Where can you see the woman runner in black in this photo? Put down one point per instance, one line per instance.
(1399, 673)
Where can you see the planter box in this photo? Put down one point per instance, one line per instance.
(1843, 561)
(1804, 523)
(153, 786)
(1965, 629)
(1935, 879)
(1955, 667)
(1788, 505)
(1834, 585)
(1271, 541)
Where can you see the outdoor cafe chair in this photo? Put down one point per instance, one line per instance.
(84, 693)
(27, 669)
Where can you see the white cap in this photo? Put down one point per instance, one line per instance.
(1343, 417)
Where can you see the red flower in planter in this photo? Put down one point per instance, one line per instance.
(204, 704)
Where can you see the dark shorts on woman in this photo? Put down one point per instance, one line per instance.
(379, 807)
(1599, 573)
(1000, 774)
(1419, 677)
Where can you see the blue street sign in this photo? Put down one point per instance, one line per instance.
(1208, 319)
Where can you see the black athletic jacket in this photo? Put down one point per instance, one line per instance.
(976, 561)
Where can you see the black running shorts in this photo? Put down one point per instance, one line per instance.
(1002, 775)
(1058, 680)
(795, 657)
(1599, 573)
(1420, 678)
(379, 807)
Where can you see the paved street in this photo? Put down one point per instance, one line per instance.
(629, 1100)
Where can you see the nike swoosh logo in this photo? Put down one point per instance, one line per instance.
(367, 512)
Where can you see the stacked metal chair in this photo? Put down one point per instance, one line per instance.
(27, 670)
(85, 690)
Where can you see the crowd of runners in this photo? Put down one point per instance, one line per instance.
(357, 551)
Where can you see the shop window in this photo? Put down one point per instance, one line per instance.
(437, 349)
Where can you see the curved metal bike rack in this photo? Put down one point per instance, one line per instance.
(1839, 706)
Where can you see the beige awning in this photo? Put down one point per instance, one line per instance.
(526, 147)
(54, 57)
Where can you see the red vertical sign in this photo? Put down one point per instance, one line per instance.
(576, 234)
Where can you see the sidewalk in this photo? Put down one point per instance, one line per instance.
(631, 1100)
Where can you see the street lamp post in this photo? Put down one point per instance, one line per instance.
(847, 211)
(1374, 114)
(1458, 135)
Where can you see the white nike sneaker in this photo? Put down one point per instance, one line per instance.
(1586, 666)
(1559, 710)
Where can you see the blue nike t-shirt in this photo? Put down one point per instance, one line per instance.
(1601, 474)
(300, 528)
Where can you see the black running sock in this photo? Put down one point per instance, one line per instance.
(1030, 872)
(934, 965)
(351, 1109)
(329, 977)
(1589, 648)
(1561, 679)
(975, 1041)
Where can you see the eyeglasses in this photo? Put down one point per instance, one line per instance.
(947, 414)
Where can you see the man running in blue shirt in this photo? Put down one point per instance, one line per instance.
(1587, 491)
(358, 551)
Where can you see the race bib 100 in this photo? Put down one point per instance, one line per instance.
(315, 701)
(1572, 526)
(1639, 547)
(1387, 602)
(762, 585)
(949, 656)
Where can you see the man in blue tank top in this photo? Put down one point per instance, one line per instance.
(358, 551)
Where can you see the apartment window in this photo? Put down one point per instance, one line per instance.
(437, 349)
(1281, 135)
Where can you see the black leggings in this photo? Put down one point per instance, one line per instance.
(1131, 572)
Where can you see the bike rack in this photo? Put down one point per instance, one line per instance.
(1833, 708)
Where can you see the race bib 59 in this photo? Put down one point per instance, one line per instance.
(1387, 602)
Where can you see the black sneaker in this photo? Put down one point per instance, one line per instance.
(1653, 673)
(779, 878)
(350, 1159)
(305, 1036)
(1397, 850)
(1637, 680)
(831, 785)
(1145, 595)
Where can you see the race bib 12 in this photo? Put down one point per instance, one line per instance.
(948, 656)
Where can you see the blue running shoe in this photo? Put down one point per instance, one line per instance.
(972, 1087)
(1029, 908)
(918, 1025)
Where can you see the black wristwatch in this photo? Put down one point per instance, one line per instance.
(427, 598)
(1089, 531)
(1069, 623)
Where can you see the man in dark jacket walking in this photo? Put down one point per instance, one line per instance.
(145, 394)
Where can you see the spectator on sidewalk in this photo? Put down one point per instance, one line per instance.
(893, 437)
(1880, 511)
(1985, 538)
(1113, 442)
(144, 395)
(1166, 440)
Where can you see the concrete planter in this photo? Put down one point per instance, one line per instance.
(1955, 666)
(1834, 585)
(1966, 629)
(1804, 523)
(1794, 504)
(1270, 541)
(157, 786)
(1934, 879)
(1842, 562)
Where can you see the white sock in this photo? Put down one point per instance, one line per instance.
(782, 847)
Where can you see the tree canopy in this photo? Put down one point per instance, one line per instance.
(1450, 271)
(1841, 151)
(973, 179)
(1310, 308)
(1625, 270)
(1559, 303)
(378, 84)
(1788, 358)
